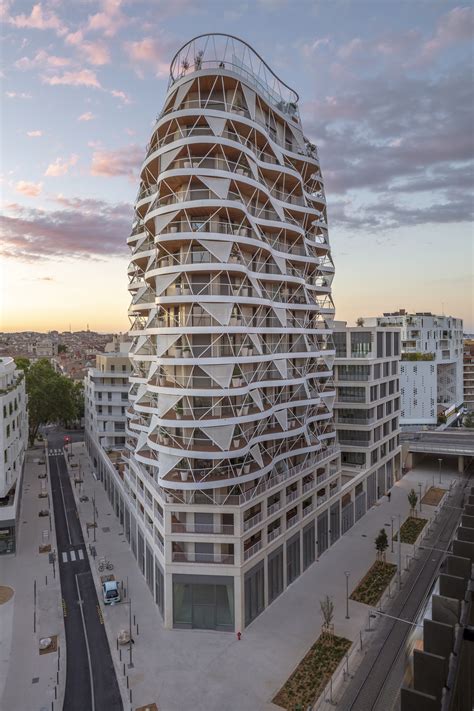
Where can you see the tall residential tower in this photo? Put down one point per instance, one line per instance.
(232, 470)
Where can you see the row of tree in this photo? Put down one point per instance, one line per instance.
(52, 397)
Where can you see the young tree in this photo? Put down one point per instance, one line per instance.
(381, 544)
(327, 612)
(413, 500)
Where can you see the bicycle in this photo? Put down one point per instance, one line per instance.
(105, 565)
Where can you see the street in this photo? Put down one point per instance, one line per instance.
(90, 677)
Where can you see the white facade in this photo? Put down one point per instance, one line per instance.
(431, 371)
(367, 412)
(106, 395)
(469, 374)
(13, 444)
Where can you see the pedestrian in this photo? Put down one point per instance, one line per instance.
(389, 496)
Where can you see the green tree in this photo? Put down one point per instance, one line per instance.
(381, 544)
(468, 420)
(52, 397)
(62, 348)
(23, 364)
(413, 500)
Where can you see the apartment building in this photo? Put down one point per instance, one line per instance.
(431, 371)
(106, 395)
(367, 412)
(468, 374)
(13, 444)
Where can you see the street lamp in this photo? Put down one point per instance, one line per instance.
(346, 573)
(440, 462)
(393, 519)
(419, 485)
(399, 552)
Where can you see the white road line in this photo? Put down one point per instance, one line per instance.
(81, 554)
(64, 505)
(64, 557)
(87, 644)
(73, 555)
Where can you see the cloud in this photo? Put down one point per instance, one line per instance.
(120, 95)
(454, 27)
(88, 116)
(60, 166)
(29, 189)
(109, 20)
(80, 229)
(122, 161)
(148, 51)
(34, 134)
(84, 77)
(39, 20)
(96, 53)
(42, 59)
(17, 95)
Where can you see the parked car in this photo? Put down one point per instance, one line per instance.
(110, 592)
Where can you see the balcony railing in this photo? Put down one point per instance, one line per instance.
(203, 528)
(206, 558)
(251, 522)
(273, 508)
(252, 550)
(274, 533)
(292, 521)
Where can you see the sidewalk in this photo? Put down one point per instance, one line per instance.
(30, 681)
(210, 671)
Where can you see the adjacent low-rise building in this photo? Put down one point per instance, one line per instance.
(106, 395)
(367, 412)
(431, 371)
(468, 374)
(13, 443)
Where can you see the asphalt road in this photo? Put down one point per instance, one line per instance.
(376, 683)
(91, 683)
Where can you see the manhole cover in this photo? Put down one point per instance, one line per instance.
(106, 529)
(35, 680)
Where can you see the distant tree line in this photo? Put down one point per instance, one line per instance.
(52, 397)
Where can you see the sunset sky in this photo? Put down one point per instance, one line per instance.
(386, 93)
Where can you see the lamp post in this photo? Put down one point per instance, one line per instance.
(393, 519)
(419, 486)
(346, 573)
(399, 552)
(94, 511)
(440, 462)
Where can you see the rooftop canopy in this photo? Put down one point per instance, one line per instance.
(220, 51)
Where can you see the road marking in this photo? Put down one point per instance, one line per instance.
(64, 506)
(64, 557)
(99, 612)
(80, 554)
(73, 555)
(87, 644)
(64, 608)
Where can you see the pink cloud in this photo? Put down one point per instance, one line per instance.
(85, 77)
(454, 27)
(122, 161)
(68, 233)
(60, 166)
(95, 53)
(148, 51)
(34, 134)
(351, 48)
(39, 20)
(88, 116)
(110, 20)
(42, 59)
(29, 189)
(121, 95)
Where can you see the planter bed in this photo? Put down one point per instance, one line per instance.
(313, 672)
(411, 529)
(433, 496)
(370, 589)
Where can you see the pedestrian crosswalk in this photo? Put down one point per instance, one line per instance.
(72, 556)
(55, 452)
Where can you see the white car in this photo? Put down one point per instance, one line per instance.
(110, 592)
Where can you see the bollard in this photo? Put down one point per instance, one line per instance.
(124, 669)
(127, 681)
(130, 695)
(137, 629)
(120, 654)
(134, 622)
(55, 692)
(361, 643)
(117, 643)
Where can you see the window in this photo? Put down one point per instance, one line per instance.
(293, 558)
(275, 574)
(309, 545)
(112, 368)
(254, 592)
(124, 368)
(339, 339)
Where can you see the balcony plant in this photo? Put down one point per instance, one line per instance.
(178, 408)
(237, 377)
(187, 352)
